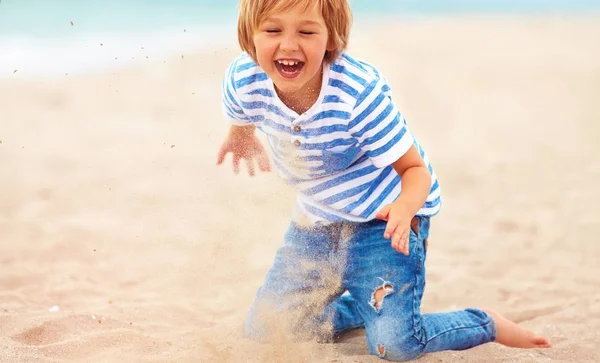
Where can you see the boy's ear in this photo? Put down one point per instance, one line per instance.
(331, 46)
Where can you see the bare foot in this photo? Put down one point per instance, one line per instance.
(512, 335)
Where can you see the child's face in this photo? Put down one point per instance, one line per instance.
(290, 47)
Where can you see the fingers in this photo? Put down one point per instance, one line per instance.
(221, 155)
(399, 236)
(390, 228)
(400, 241)
(263, 162)
(403, 242)
(384, 213)
(393, 230)
(236, 163)
(250, 166)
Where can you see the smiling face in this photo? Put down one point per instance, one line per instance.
(290, 47)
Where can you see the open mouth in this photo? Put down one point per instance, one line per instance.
(289, 68)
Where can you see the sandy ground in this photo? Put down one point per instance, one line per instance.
(113, 210)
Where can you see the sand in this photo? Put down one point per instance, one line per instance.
(121, 241)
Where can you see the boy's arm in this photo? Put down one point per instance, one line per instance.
(384, 136)
(240, 141)
(241, 131)
(415, 187)
(231, 103)
(416, 181)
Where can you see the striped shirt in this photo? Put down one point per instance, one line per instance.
(338, 154)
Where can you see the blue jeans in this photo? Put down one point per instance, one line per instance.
(330, 279)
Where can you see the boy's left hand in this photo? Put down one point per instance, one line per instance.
(398, 226)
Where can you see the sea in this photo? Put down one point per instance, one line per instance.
(52, 37)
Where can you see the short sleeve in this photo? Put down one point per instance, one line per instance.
(379, 126)
(231, 103)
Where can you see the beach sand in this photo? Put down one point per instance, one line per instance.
(113, 210)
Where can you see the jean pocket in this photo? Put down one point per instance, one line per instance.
(414, 225)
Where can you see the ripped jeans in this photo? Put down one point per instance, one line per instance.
(330, 279)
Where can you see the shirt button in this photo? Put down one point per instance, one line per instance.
(297, 143)
(297, 128)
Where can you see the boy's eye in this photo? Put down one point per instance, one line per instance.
(306, 32)
(272, 30)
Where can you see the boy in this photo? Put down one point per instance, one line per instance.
(363, 182)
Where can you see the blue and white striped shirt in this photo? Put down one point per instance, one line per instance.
(338, 154)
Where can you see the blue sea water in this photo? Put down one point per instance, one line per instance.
(49, 18)
(36, 30)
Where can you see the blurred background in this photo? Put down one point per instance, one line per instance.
(37, 28)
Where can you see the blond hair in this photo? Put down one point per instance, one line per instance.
(336, 13)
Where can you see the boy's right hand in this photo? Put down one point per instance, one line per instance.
(243, 144)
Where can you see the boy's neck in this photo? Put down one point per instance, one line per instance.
(302, 100)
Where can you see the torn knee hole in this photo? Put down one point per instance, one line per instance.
(381, 349)
(379, 294)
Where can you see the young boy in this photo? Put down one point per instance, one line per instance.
(354, 253)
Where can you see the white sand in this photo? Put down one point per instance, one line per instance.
(113, 209)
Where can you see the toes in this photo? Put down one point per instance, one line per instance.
(541, 342)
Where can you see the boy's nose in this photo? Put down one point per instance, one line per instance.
(289, 43)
